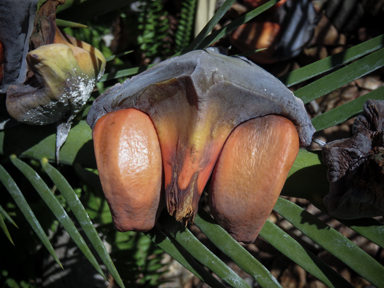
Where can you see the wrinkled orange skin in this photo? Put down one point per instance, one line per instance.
(130, 167)
(250, 174)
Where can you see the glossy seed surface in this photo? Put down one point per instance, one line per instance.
(130, 167)
(250, 174)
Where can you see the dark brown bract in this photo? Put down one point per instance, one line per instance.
(356, 167)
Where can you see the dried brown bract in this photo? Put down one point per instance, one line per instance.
(356, 167)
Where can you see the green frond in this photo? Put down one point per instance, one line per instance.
(234, 250)
(24, 207)
(56, 208)
(6, 216)
(63, 23)
(341, 77)
(202, 254)
(233, 25)
(297, 253)
(5, 229)
(153, 27)
(82, 216)
(331, 240)
(332, 62)
(166, 242)
(185, 27)
(344, 112)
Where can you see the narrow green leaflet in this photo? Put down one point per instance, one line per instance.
(125, 73)
(303, 160)
(304, 258)
(341, 77)
(333, 241)
(251, 52)
(332, 62)
(307, 174)
(367, 227)
(18, 197)
(82, 216)
(110, 58)
(161, 238)
(77, 149)
(56, 209)
(6, 216)
(64, 23)
(236, 23)
(5, 229)
(96, 209)
(201, 253)
(208, 28)
(345, 111)
(176, 251)
(3, 226)
(234, 250)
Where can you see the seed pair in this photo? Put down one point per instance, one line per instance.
(161, 134)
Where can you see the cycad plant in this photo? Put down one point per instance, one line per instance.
(72, 189)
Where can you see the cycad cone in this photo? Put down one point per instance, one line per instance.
(247, 179)
(195, 101)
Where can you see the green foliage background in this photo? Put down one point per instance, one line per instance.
(73, 193)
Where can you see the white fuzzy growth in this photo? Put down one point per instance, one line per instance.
(79, 91)
(75, 96)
